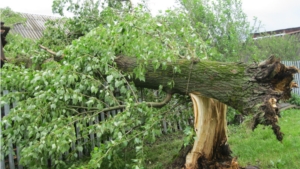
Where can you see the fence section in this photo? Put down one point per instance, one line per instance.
(297, 76)
(12, 160)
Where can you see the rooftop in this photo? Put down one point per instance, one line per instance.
(279, 32)
(33, 27)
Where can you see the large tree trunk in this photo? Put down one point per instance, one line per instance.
(210, 149)
(252, 89)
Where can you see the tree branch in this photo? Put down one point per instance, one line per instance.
(48, 50)
(56, 56)
(160, 104)
(149, 104)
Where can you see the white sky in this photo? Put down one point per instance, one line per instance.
(274, 14)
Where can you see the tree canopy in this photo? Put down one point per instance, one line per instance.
(84, 83)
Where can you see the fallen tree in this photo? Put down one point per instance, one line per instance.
(68, 94)
(252, 89)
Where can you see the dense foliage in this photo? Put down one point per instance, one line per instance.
(18, 45)
(223, 25)
(287, 47)
(60, 97)
(10, 17)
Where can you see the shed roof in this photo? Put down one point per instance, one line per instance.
(279, 32)
(33, 27)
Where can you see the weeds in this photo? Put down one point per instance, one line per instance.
(295, 99)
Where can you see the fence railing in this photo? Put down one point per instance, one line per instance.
(297, 76)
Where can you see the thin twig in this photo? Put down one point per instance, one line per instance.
(159, 37)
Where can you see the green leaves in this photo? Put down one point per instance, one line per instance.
(223, 26)
(94, 89)
(286, 47)
(10, 17)
(189, 132)
(109, 78)
(64, 107)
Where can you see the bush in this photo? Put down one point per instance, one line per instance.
(295, 99)
(234, 116)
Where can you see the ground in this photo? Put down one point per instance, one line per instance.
(258, 148)
(252, 148)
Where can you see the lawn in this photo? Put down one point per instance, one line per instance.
(258, 147)
(161, 153)
(261, 148)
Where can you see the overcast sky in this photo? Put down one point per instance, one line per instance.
(274, 14)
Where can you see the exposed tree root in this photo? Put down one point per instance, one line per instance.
(285, 106)
(279, 81)
(210, 149)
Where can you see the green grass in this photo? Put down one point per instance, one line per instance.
(258, 147)
(160, 153)
(261, 148)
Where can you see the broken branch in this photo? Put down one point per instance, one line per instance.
(57, 57)
(48, 50)
(149, 104)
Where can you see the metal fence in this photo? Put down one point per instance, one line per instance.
(297, 76)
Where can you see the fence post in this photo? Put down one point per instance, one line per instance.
(10, 155)
(92, 135)
(78, 140)
(2, 165)
(18, 148)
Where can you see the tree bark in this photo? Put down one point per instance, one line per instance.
(252, 89)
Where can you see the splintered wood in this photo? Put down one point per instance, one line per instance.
(211, 137)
